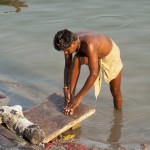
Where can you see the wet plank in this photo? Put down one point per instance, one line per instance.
(51, 119)
(7, 138)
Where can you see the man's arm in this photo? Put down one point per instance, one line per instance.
(93, 64)
(67, 71)
(75, 72)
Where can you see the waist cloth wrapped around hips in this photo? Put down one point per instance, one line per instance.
(110, 66)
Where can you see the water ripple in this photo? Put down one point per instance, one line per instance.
(107, 22)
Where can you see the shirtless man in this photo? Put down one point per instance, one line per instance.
(100, 54)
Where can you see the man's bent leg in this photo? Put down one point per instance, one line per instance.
(116, 91)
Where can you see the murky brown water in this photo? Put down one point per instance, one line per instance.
(30, 68)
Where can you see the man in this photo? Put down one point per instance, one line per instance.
(100, 54)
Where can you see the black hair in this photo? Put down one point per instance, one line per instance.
(63, 39)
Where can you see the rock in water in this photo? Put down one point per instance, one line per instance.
(14, 119)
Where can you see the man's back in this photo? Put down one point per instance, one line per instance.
(101, 43)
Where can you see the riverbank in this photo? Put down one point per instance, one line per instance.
(66, 141)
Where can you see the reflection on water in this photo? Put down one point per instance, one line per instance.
(115, 131)
(15, 3)
(108, 126)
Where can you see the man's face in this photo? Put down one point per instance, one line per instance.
(73, 47)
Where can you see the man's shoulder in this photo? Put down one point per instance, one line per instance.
(82, 33)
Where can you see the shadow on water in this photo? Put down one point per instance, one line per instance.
(14, 96)
(24, 87)
(14, 3)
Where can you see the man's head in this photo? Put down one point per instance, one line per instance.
(64, 39)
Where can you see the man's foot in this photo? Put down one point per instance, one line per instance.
(2, 96)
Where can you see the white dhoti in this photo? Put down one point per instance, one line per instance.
(110, 66)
